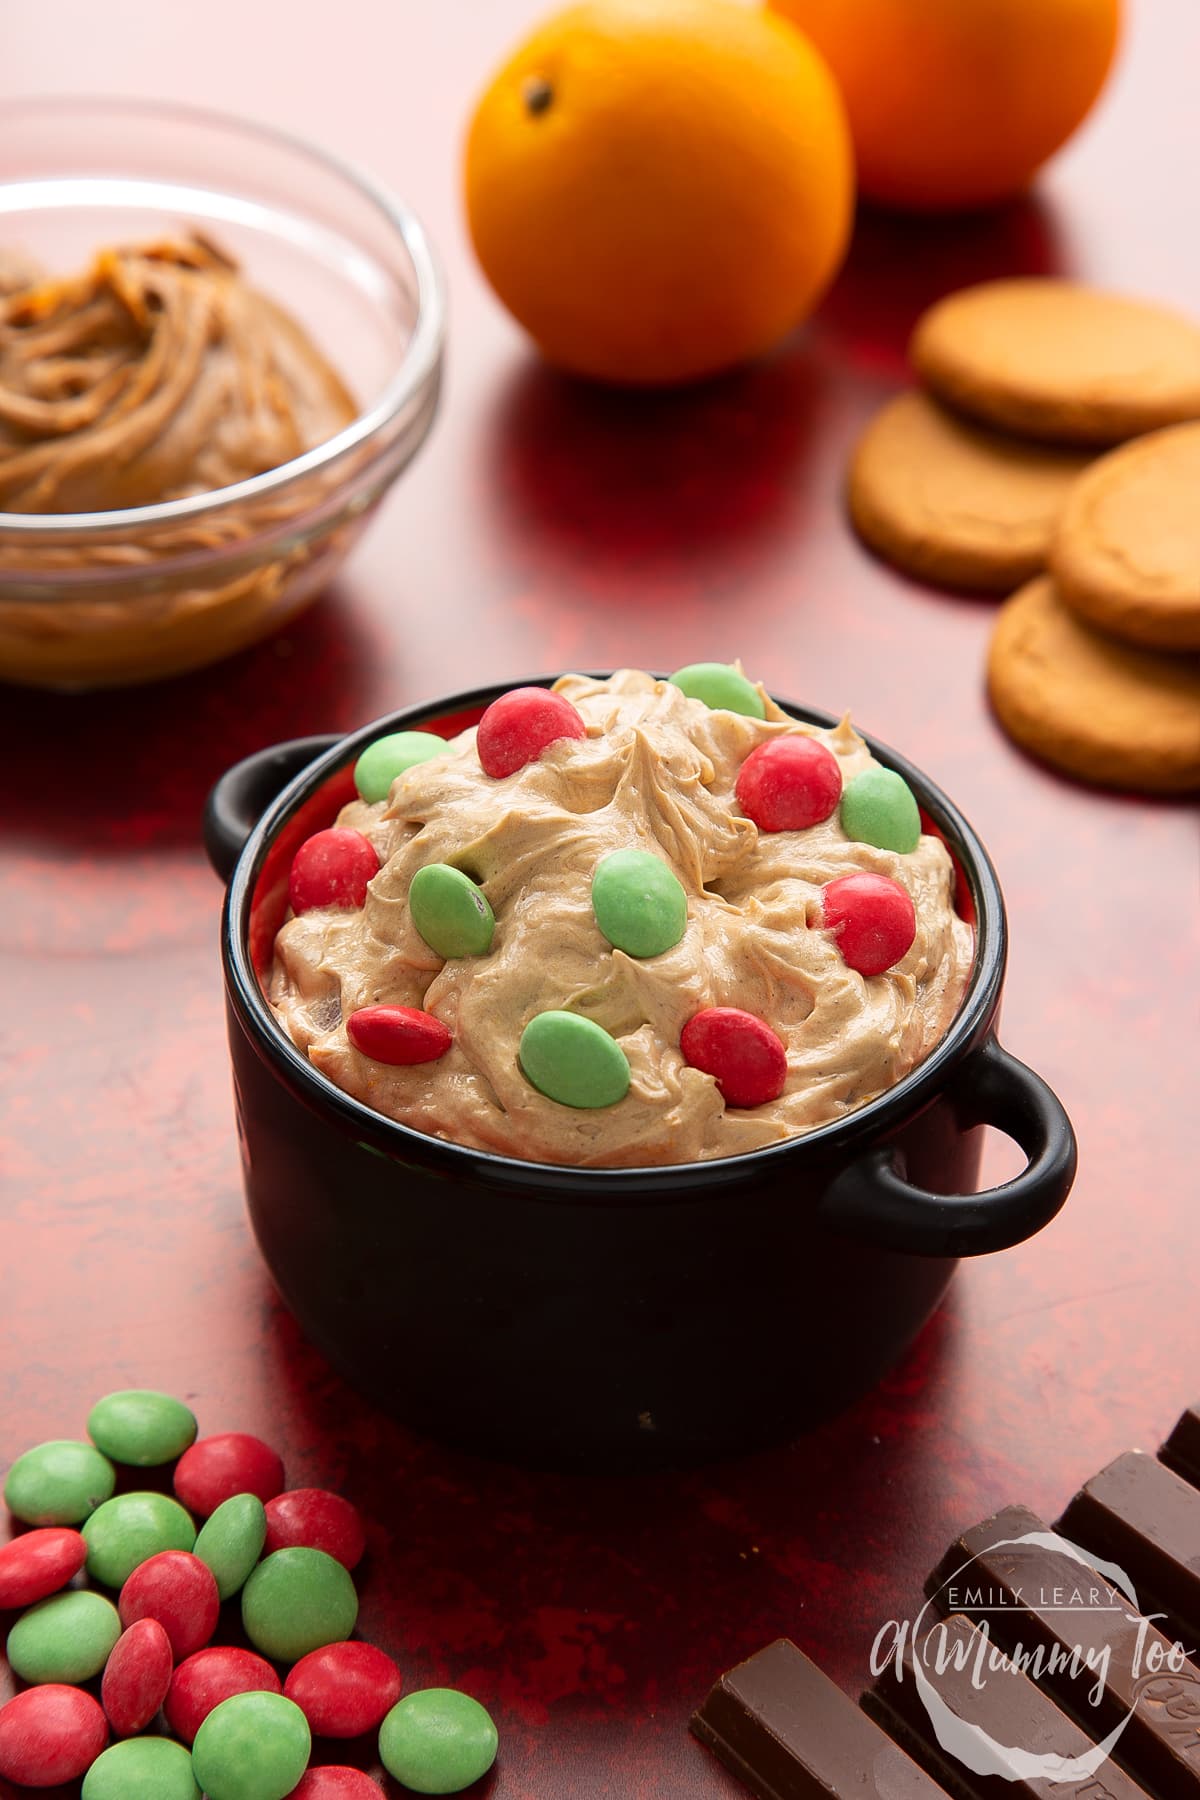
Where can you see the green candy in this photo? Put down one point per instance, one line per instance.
(573, 1060)
(141, 1427)
(125, 1532)
(251, 1747)
(231, 1541)
(144, 1768)
(387, 757)
(640, 906)
(450, 911)
(721, 687)
(878, 808)
(437, 1741)
(58, 1483)
(67, 1638)
(296, 1601)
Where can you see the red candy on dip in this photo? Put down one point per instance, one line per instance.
(789, 784)
(516, 729)
(178, 1590)
(38, 1564)
(332, 868)
(344, 1690)
(314, 1519)
(398, 1034)
(231, 1462)
(209, 1677)
(49, 1735)
(872, 919)
(744, 1055)
(136, 1677)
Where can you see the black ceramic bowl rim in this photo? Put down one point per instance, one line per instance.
(670, 1181)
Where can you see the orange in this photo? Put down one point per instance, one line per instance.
(658, 189)
(957, 103)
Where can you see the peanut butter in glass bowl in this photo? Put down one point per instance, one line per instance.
(196, 423)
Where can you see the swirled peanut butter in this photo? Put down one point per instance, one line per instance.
(655, 772)
(157, 374)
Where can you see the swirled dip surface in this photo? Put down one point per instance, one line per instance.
(155, 375)
(656, 772)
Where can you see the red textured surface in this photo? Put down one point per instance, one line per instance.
(546, 525)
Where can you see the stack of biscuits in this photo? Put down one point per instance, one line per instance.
(1054, 447)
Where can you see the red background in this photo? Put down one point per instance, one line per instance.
(546, 525)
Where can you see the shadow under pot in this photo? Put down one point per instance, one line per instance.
(612, 1319)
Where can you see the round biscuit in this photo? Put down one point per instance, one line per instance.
(1090, 706)
(1126, 554)
(952, 503)
(1060, 362)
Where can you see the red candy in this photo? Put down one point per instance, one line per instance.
(516, 729)
(332, 1783)
(38, 1564)
(314, 1519)
(136, 1677)
(789, 784)
(209, 1677)
(344, 1690)
(217, 1468)
(178, 1590)
(49, 1735)
(872, 919)
(398, 1034)
(331, 869)
(743, 1053)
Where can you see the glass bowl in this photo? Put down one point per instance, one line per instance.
(101, 599)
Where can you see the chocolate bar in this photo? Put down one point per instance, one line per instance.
(1181, 1451)
(1100, 1658)
(790, 1734)
(969, 1675)
(1146, 1519)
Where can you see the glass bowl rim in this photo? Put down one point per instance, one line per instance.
(418, 364)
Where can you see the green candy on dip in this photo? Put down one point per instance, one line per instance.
(387, 757)
(574, 1061)
(721, 687)
(451, 911)
(437, 1741)
(639, 903)
(878, 807)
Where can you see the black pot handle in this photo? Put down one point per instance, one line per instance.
(243, 794)
(872, 1201)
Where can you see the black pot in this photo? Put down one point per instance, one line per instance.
(612, 1318)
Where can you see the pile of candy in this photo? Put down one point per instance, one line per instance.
(789, 783)
(239, 1731)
